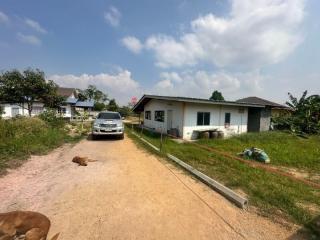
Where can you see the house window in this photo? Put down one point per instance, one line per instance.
(203, 119)
(62, 110)
(227, 119)
(147, 115)
(37, 110)
(159, 116)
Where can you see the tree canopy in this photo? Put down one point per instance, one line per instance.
(216, 96)
(24, 88)
(113, 106)
(93, 93)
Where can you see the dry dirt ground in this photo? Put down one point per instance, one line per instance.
(127, 194)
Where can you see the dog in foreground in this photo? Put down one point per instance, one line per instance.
(33, 225)
(82, 161)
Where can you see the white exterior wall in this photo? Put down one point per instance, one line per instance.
(162, 105)
(238, 122)
(184, 117)
(68, 113)
(22, 111)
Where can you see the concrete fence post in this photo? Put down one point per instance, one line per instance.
(161, 140)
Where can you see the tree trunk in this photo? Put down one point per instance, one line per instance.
(29, 109)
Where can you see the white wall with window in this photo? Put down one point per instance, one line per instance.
(65, 111)
(230, 119)
(12, 110)
(164, 115)
(189, 117)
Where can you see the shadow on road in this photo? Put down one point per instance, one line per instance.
(104, 138)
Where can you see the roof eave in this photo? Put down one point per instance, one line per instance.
(137, 108)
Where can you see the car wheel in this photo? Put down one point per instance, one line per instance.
(122, 136)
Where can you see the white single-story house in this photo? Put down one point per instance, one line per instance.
(67, 110)
(12, 110)
(188, 116)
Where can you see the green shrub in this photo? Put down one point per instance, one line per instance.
(21, 137)
(50, 116)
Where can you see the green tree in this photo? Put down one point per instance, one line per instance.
(92, 93)
(113, 106)
(24, 88)
(125, 111)
(305, 117)
(216, 96)
(98, 106)
(51, 99)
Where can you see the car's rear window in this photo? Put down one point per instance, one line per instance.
(108, 116)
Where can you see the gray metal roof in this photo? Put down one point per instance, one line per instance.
(146, 98)
(257, 100)
(85, 104)
(71, 100)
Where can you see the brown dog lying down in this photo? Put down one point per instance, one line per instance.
(82, 161)
(34, 225)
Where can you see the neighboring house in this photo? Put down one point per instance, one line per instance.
(188, 116)
(12, 110)
(67, 110)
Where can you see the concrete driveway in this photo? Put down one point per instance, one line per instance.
(127, 194)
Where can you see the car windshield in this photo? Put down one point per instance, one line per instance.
(108, 116)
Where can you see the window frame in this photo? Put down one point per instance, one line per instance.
(62, 110)
(202, 117)
(227, 123)
(158, 118)
(147, 115)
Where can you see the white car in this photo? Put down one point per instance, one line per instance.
(108, 123)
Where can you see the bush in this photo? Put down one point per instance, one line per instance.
(50, 116)
(20, 137)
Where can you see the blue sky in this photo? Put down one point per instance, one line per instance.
(171, 47)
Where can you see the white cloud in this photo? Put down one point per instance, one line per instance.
(113, 16)
(172, 76)
(254, 34)
(170, 52)
(133, 44)
(120, 86)
(203, 83)
(30, 39)
(35, 25)
(3, 18)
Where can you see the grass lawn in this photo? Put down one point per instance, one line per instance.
(273, 195)
(284, 149)
(21, 137)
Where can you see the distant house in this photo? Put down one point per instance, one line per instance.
(67, 110)
(189, 116)
(13, 109)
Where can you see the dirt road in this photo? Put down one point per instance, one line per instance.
(126, 194)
